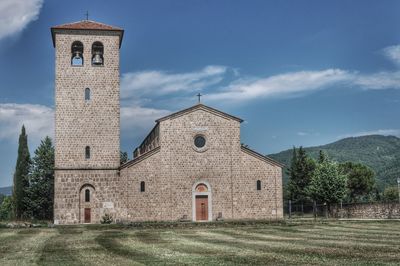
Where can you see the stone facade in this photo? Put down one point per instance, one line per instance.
(82, 123)
(230, 172)
(170, 178)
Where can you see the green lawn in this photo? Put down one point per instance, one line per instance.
(332, 243)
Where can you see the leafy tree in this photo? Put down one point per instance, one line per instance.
(391, 194)
(123, 157)
(360, 179)
(21, 181)
(41, 190)
(2, 197)
(300, 173)
(327, 184)
(6, 208)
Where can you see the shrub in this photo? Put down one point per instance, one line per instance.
(106, 219)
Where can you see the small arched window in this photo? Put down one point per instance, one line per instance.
(77, 54)
(201, 188)
(87, 94)
(97, 54)
(258, 184)
(142, 186)
(87, 195)
(87, 152)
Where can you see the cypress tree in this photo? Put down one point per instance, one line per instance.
(21, 175)
(41, 191)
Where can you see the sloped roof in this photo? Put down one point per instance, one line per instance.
(262, 157)
(86, 25)
(196, 107)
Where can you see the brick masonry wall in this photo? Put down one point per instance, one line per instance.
(171, 173)
(368, 211)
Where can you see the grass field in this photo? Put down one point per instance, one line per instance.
(331, 243)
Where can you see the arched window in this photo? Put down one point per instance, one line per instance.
(258, 185)
(87, 195)
(201, 188)
(87, 152)
(97, 54)
(77, 54)
(142, 186)
(87, 94)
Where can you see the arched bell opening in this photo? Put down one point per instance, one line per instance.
(77, 54)
(97, 54)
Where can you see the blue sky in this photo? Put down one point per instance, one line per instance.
(298, 72)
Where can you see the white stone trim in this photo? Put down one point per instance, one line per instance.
(195, 193)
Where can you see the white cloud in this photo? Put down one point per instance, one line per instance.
(148, 85)
(137, 84)
(292, 83)
(302, 134)
(137, 121)
(384, 132)
(38, 121)
(15, 15)
(393, 53)
(377, 81)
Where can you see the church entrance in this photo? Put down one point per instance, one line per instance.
(87, 203)
(202, 203)
(87, 215)
(202, 208)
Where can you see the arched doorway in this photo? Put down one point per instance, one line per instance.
(86, 203)
(201, 202)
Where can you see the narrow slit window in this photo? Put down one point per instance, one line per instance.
(87, 195)
(87, 152)
(142, 186)
(258, 184)
(87, 94)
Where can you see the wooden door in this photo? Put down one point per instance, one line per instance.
(87, 215)
(201, 208)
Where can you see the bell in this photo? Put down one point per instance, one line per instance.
(78, 55)
(97, 60)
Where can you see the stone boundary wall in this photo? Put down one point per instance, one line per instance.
(389, 210)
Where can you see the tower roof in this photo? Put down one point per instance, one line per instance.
(87, 25)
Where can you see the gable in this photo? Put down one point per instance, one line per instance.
(199, 107)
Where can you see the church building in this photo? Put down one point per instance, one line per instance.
(190, 167)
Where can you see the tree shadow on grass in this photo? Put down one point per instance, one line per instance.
(10, 242)
(204, 250)
(57, 252)
(265, 253)
(109, 240)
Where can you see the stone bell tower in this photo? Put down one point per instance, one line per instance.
(87, 121)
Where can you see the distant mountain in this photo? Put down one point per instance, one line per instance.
(381, 153)
(6, 191)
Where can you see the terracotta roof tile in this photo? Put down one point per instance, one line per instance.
(86, 25)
